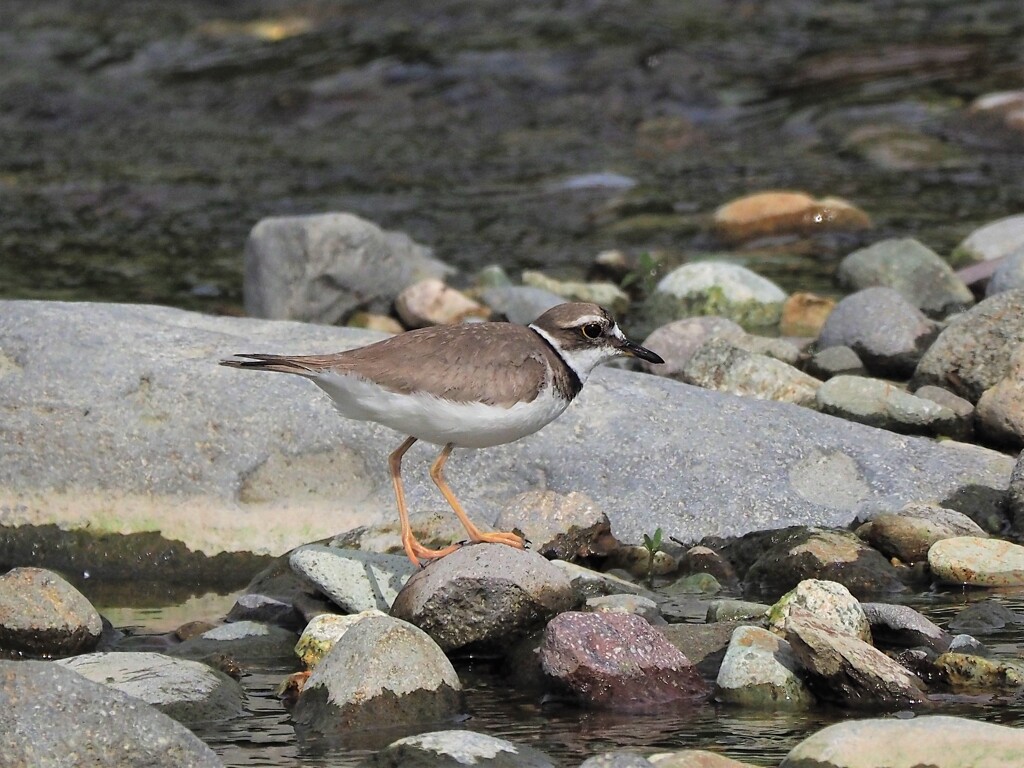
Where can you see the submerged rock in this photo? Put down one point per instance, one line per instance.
(449, 749)
(774, 213)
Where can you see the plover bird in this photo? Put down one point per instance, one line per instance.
(466, 386)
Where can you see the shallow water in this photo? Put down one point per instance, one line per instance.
(266, 736)
(140, 142)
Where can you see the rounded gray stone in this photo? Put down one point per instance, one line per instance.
(42, 614)
(49, 713)
(382, 671)
(190, 692)
(323, 267)
(1009, 275)
(887, 332)
(973, 352)
(880, 404)
(911, 268)
(484, 596)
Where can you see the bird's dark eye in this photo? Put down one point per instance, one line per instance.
(591, 330)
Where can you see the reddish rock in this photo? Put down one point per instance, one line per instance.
(618, 661)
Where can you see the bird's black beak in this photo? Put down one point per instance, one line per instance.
(635, 350)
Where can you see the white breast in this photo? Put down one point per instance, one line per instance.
(429, 418)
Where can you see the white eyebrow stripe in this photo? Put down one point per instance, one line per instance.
(588, 319)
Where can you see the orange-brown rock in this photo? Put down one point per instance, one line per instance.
(766, 214)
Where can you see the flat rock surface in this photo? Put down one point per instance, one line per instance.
(120, 417)
(189, 691)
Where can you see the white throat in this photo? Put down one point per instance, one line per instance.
(583, 360)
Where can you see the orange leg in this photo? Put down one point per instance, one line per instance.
(413, 548)
(475, 534)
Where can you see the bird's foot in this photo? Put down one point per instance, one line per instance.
(499, 537)
(416, 551)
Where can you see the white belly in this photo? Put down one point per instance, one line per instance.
(428, 418)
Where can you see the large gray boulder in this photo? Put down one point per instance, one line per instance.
(118, 416)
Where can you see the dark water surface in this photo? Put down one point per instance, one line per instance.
(267, 737)
(139, 142)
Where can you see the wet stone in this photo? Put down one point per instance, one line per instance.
(965, 673)
(617, 661)
(587, 583)
(766, 214)
(1009, 275)
(382, 671)
(849, 671)
(43, 615)
(248, 642)
(1015, 496)
(433, 302)
(440, 749)
(976, 561)
(963, 409)
(903, 627)
(520, 303)
(911, 268)
(323, 632)
(760, 671)
(484, 596)
(677, 341)
(324, 267)
(804, 314)
(1000, 412)
(190, 692)
(827, 601)
(835, 361)
(643, 607)
(830, 555)
(724, 367)
(715, 288)
(985, 618)
(616, 760)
